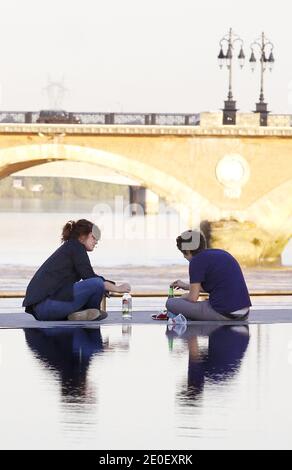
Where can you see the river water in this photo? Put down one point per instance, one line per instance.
(140, 250)
(31, 230)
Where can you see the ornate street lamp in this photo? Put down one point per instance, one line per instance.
(226, 59)
(266, 60)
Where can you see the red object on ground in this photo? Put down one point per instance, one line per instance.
(160, 316)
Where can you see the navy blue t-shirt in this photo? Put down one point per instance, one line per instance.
(220, 275)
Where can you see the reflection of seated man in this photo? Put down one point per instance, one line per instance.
(221, 361)
(69, 352)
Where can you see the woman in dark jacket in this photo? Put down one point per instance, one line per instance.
(56, 291)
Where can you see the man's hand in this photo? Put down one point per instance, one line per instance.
(180, 285)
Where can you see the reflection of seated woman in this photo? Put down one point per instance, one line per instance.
(68, 352)
(56, 293)
(221, 361)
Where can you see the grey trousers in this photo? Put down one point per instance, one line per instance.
(200, 310)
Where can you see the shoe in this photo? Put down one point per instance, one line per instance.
(102, 315)
(90, 314)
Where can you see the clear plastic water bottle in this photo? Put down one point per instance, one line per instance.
(127, 306)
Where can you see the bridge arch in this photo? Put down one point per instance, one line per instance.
(271, 215)
(175, 192)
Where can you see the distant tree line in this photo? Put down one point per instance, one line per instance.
(56, 188)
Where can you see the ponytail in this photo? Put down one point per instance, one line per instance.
(67, 230)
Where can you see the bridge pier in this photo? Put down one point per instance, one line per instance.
(250, 244)
(143, 197)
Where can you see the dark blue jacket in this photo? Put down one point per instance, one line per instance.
(55, 278)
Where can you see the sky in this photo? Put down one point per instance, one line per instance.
(139, 55)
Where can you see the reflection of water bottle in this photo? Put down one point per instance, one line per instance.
(126, 334)
(170, 343)
(126, 330)
(127, 306)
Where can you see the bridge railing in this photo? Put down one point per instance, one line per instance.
(18, 117)
(151, 119)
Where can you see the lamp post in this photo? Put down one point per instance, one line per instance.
(226, 59)
(267, 60)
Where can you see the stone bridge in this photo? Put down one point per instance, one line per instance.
(239, 178)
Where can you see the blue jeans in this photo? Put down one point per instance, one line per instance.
(87, 294)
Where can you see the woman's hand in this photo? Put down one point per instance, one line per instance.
(123, 288)
(179, 285)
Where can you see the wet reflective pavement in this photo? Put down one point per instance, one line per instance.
(146, 387)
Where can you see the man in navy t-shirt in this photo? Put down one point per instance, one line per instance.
(214, 271)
